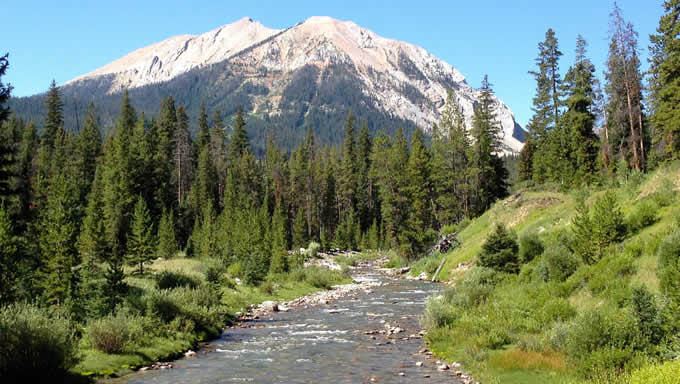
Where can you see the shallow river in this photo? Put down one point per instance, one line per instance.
(320, 344)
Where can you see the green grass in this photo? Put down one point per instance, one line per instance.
(281, 287)
(513, 334)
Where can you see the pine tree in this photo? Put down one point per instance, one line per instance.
(626, 129)
(526, 159)
(451, 147)
(114, 289)
(117, 194)
(163, 138)
(218, 152)
(665, 79)
(239, 137)
(279, 259)
(58, 238)
(8, 258)
(25, 173)
(419, 190)
(167, 242)
(488, 177)
(546, 103)
(300, 238)
(5, 90)
(366, 203)
(347, 180)
(89, 148)
(54, 119)
(579, 148)
(203, 138)
(142, 243)
(92, 244)
(204, 189)
(183, 172)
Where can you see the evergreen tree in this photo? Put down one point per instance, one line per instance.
(167, 242)
(163, 140)
(117, 194)
(58, 238)
(419, 190)
(546, 103)
(526, 160)
(451, 147)
(239, 137)
(300, 238)
(9, 252)
(114, 289)
(365, 195)
(488, 178)
(89, 148)
(92, 244)
(500, 251)
(54, 119)
(204, 189)
(183, 172)
(626, 129)
(347, 180)
(25, 173)
(665, 79)
(218, 153)
(141, 244)
(279, 259)
(5, 90)
(203, 138)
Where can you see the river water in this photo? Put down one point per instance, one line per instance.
(321, 344)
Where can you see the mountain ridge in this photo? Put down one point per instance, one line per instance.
(281, 72)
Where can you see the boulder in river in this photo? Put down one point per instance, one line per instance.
(270, 306)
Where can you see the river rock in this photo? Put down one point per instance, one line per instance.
(190, 353)
(271, 306)
(443, 367)
(419, 364)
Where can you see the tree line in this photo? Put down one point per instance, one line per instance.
(563, 145)
(76, 206)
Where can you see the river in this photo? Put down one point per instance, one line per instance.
(321, 344)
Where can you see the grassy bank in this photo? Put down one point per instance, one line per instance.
(177, 304)
(563, 318)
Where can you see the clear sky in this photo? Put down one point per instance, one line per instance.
(64, 39)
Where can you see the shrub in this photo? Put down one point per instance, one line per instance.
(320, 278)
(111, 334)
(313, 249)
(213, 274)
(170, 280)
(499, 251)
(432, 264)
(268, 288)
(37, 345)
(438, 313)
(474, 289)
(602, 338)
(665, 193)
(666, 373)
(643, 215)
(647, 315)
(595, 231)
(234, 270)
(669, 268)
(557, 264)
(530, 247)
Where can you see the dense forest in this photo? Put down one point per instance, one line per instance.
(82, 215)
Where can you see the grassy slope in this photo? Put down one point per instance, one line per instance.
(547, 213)
(235, 299)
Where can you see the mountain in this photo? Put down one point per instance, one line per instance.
(311, 74)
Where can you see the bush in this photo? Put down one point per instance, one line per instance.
(170, 280)
(666, 373)
(474, 289)
(665, 193)
(438, 314)
(557, 264)
(647, 314)
(321, 278)
(268, 288)
(530, 247)
(111, 334)
(499, 251)
(595, 231)
(234, 270)
(213, 274)
(313, 249)
(642, 216)
(602, 339)
(36, 345)
(669, 268)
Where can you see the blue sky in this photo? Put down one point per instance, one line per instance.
(63, 39)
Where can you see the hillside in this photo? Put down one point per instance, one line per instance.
(559, 319)
(311, 74)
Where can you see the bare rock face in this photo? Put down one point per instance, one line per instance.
(402, 79)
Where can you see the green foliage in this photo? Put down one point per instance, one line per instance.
(668, 255)
(141, 244)
(595, 231)
(38, 345)
(557, 264)
(647, 314)
(642, 216)
(499, 250)
(111, 334)
(666, 373)
(530, 247)
(170, 280)
(8, 262)
(167, 243)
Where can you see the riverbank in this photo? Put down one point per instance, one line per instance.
(207, 308)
